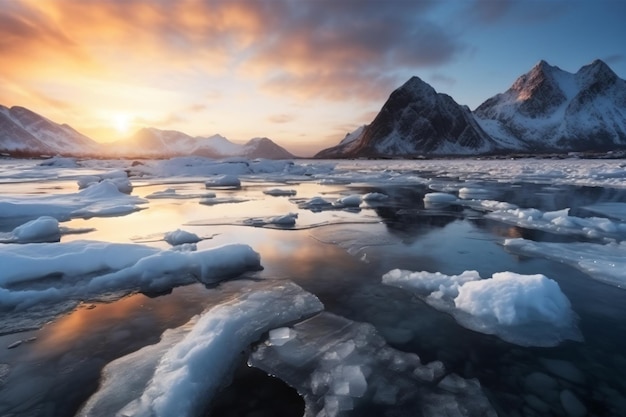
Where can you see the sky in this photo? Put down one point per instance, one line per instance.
(301, 72)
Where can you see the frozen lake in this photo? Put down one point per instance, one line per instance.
(366, 288)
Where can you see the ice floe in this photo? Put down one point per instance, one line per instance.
(561, 222)
(285, 220)
(173, 194)
(99, 199)
(117, 177)
(223, 181)
(40, 281)
(180, 375)
(340, 367)
(280, 192)
(529, 310)
(179, 237)
(606, 263)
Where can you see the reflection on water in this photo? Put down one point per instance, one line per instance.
(342, 264)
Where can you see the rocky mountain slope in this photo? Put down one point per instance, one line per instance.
(417, 120)
(545, 110)
(548, 109)
(25, 132)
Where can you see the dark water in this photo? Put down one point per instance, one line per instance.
(343, 265)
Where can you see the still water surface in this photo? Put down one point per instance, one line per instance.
(340, 256)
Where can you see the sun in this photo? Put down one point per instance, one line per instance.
(121, 123)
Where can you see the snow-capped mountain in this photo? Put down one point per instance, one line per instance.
(416, 120)
(545, 110)
(26, 132)
(548, 109)
(154, 142)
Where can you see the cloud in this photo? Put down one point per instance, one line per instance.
(281, 118)
(614, 59)
(326, 49)
(443, 79)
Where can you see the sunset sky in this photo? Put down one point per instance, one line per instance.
(301, 72)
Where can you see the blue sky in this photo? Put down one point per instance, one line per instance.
(302, 72)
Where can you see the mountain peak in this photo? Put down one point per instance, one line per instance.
(598, 70)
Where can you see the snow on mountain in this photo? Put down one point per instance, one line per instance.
(545, 110)
(166, 143)
(27, 133)
(549, 109)
(264, 148)
(416, 120)
(22, 130)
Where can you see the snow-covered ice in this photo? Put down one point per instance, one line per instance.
(99, 199)
(180, 375)
(530, 310)
(223, 181)
(180, 237)
(280, 192)
(561, 222)
(40, 281)
(606, 263)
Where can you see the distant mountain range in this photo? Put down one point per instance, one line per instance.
(26, 133)
(545, 110)
(152, 142)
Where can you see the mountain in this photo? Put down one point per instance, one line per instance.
(545, 110)
(264, 148)
(548, 109)
(153, 142)
(416, 120)
(26, 132)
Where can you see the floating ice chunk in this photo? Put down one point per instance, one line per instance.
(286, 220)
(179, 237)
(338, 365)
(508, 305)
(117, 177)
(514, 299)
(477, 193)
(42, 229)
(605, 263)
(97, 199)
(180, 375)
(277, 192)
(375, 197)
(315, 204)
(40, 281)
(353, 200)
(440, 198)
(171, 193)
(211, 201)
(223, 181)
(561, 222)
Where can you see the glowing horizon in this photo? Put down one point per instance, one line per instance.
(301, 73)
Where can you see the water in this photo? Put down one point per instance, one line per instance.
(340, 256)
